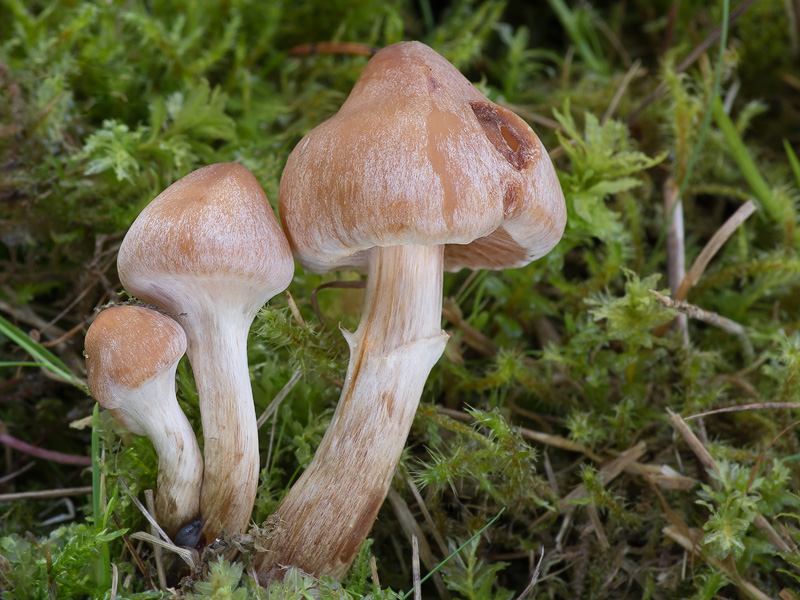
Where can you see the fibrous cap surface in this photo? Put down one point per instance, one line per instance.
(417, 155)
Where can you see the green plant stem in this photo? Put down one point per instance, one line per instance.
(793, 161)
(739, 153)
(103, 562)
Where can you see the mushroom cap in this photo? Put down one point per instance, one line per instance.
(417, 155)
(213, 228)
(127, 347)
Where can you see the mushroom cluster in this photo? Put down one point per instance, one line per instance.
(418, 173)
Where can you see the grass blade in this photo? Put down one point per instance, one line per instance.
(43, 357)
(456, 551)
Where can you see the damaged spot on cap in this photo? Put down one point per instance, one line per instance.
(505, 133)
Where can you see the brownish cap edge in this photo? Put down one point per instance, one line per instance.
(126, 346)
(215, 222)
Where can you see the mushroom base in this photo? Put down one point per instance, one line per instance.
(328, 513)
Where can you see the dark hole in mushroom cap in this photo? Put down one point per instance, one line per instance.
(506, 136)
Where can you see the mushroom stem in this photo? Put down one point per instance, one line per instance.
(217, 351)
(328, 513)
(179, 459)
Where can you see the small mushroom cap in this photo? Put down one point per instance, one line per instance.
(126, 348)
(213, 225)
(417, 155)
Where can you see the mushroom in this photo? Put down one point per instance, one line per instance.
(418, 172)
(209, 250)
(132, 353)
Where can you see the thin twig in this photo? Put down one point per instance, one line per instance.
(42, 494)
(280, 397)
(135, 555)
(623, 86)
(712, 247)
(357, 284)
(373, 567)
(185, 554)
(692, 546)
(144, 511)
(700, 314)
(676, 252)
(707, 253)
(742, 407)
(534, 578)
(427, 516)
(295, 311)
(710, 464)
(690, 60)
(151, 506)
(6, 478)
(51, 455)
(415, 568)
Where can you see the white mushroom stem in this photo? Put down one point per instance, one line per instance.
(217, 350)
(328, 513)
(180, 464)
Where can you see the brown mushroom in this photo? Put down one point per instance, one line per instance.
(418, 172)
(132, 353)
(210, 251)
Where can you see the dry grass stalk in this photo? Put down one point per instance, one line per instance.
(606, 474)
(279, 397)
(623, 86)
(712, 247)
(76, 491)
(414, 532)
(427, 516)
(597, 526)
(373, 567)
(415, 568)
(710, 464)
(706, 316)
(676, 251)
(690, 544)
(151, 507)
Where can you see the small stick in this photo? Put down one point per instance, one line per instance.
(280, 397)
(757, 406)
(40, 495)
(144, 511)
(151, 506)
(295, 311)
(712, 247)
(534, 577)
(693, 56)
(51, 455)
(709, 463)
(135, 555)
(623, 86)
(700, 314)
(676, 253)
(356, 284)
(693, 547)
(707, 253)
(427, 516)
(114, 580)
(597, 525)
(6, 478)
(373, 566)
(415, 568)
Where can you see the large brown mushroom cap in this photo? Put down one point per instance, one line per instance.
(417, 155)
